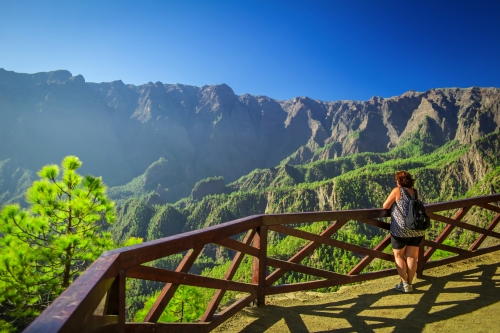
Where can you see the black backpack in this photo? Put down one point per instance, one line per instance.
(416, 219)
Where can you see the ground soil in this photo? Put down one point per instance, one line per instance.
(460, 297)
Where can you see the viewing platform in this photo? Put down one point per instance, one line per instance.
(459, 297)
(96, 301)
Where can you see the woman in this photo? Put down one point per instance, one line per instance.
(404, 241)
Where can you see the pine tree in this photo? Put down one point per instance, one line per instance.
(185, 305)
(45, 248)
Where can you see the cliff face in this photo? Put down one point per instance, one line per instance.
(45, 116)
(119, 130)
(380, 124)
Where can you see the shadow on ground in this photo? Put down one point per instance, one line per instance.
(439, 303)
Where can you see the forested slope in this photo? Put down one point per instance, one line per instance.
(359, 181)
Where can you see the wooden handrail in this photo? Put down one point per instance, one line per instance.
(76, 309)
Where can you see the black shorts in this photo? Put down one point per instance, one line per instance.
(400, 242)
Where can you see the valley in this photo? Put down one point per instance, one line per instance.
(177, 158)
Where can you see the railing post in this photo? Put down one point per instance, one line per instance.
(111, 299)
(259, 265)
(421, 259)
(121, 302)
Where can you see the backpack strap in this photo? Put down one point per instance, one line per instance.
(405, 191)
(396, 203)
(415, 193)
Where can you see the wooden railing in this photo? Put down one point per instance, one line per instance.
(95, 302)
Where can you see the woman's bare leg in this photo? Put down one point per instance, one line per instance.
(411, 261)
(401, 263)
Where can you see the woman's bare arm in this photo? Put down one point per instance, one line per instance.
(391, 198)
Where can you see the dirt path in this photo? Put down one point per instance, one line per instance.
(462, 297)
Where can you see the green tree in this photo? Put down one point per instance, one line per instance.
(45, 248)
(185, 306)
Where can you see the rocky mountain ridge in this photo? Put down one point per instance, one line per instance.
(192, 133)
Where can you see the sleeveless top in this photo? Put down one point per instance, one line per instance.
(398, 227)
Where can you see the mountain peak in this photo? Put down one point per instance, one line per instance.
(57, 77)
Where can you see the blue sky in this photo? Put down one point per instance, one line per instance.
(327, 50)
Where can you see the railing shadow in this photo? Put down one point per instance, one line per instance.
(435, 300)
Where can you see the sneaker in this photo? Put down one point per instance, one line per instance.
(404, 287)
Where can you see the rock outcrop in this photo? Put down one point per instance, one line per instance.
(208, 186)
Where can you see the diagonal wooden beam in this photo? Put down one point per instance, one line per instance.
(259, 264)
(481, 238)
(449, 260)
(444, 247)
(377, 223)
(331, 242)
(368, 259)
(307, 250)
(289, 266)
(287, 288)
(219, 293)
(238, 246)
(169, 290)
(446, 232)
(229, 312)
(463, 225)
(163, 275)
(491, 207)
(158, 328)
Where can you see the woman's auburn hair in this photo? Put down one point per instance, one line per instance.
(404, 179)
